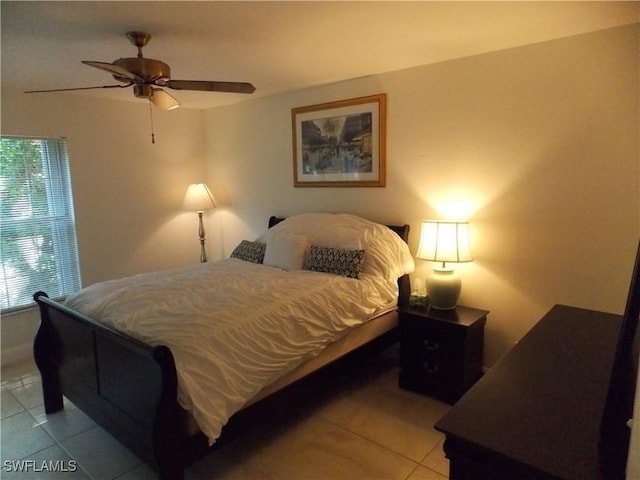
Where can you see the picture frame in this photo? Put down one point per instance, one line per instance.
(340, 144)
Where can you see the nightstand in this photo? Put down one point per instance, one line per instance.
(441, 350)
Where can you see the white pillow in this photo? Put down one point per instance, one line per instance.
(285, 251)
(387, 255)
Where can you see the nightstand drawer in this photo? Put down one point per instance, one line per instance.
(428, 342)
(419, 345)
(441, 351)
(431, 355)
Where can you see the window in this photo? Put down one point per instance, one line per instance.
(37, 227)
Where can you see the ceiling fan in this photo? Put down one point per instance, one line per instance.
(147, 75)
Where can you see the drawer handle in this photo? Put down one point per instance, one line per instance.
(432, 346)
(430, 369)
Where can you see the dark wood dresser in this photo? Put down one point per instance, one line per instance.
(537, 413)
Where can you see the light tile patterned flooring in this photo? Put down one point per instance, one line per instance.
(365, 428)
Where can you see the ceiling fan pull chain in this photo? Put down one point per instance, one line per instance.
(153, 138)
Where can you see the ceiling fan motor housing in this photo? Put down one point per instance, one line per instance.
(148, 69)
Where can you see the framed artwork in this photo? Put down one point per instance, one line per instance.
(340, 144)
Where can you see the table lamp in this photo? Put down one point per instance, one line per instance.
(444, 241)
(199, 198)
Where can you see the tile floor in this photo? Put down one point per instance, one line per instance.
(364, 428)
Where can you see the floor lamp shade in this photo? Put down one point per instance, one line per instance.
(199, 198)
(444, 241)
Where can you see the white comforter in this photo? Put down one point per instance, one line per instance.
(233, 327)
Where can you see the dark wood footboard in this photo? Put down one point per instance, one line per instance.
(127, 387)
(130, 389)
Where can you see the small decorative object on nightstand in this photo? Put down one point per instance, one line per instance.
(441, 350)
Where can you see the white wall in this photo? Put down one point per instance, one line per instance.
(127, 191)
(538, 144)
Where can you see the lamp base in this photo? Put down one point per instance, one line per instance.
(203, 253)
(443, 288)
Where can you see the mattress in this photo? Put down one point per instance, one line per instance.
(234, 327)
(356, 337)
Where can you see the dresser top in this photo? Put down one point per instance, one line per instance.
(541, 405)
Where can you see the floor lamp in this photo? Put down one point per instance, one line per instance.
(198, 199)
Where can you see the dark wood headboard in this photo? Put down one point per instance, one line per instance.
(404, 282)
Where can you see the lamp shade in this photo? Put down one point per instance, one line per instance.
(198, 198)
(444, 241)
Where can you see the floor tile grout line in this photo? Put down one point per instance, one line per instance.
(378, 444)
(57, 442)
(15, 413)
(386, 447)
(412, 472)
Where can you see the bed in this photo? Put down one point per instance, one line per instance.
(140, 356)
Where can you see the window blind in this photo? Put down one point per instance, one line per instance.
(37, 225)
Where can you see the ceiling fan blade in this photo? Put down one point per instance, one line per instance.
(232, 87)
(163, 100)
(115, 70)
(78, 88)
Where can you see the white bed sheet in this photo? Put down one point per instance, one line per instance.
(233, 327)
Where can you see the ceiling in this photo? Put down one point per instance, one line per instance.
(277, 46)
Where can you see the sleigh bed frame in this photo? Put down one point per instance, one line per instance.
(130, 388)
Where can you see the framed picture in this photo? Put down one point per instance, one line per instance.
(340, 144)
